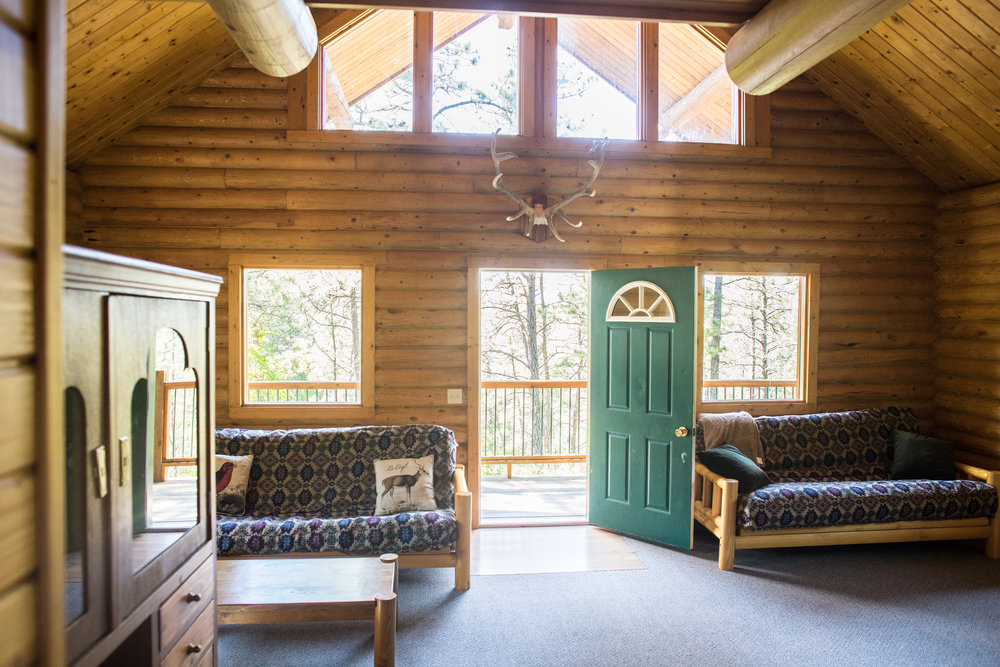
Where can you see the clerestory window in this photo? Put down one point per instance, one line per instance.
(468, 72)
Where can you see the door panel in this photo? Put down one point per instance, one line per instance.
(642, 391)
(657, 486)
(617, 467)
(618, 368)
(659, 351)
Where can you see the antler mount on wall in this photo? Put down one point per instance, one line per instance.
(537, 217)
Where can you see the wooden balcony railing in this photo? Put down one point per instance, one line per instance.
(303, 392)
(750, 390)
(533, 421)
(175, 430)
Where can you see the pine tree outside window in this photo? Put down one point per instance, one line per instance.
(759, 338)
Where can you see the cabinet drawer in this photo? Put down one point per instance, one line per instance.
(196, 644)
(187, 602)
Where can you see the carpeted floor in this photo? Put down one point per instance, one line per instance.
(914, 604)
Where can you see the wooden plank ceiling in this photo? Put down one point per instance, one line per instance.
(126, 59)
(927, 80)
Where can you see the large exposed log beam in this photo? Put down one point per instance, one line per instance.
(278, 37)
(787, 37)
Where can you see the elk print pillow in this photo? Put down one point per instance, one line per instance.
(232, 474)
(404, 485)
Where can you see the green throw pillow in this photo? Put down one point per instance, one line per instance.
(921, 457)
(728, 461)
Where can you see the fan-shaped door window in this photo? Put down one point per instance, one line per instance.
(641, 300)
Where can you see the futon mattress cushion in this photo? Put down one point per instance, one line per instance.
(821, 504)
(394, 533)
(326, 472)
(854, 445)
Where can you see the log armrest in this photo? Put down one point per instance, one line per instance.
(463, 545)
(714, 506)
(991, 477)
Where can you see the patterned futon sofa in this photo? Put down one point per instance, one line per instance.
(831, 483)
(313, 491)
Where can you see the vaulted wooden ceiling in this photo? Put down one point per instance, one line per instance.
(927, 80)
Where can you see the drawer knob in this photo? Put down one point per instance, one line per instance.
(193, 597)
(194, 648)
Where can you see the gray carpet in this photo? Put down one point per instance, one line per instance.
(914, 604)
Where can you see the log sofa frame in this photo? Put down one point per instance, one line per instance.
(715, 507)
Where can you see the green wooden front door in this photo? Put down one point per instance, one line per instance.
(641, 393)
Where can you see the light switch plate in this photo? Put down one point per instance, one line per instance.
(454, 396)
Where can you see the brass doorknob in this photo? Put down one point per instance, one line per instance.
(681, 432)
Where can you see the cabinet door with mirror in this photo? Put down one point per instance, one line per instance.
(158, 367)
(138, 343)
(87, 500)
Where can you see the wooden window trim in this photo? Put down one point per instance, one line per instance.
(538, 45)
(304, 415)
(808, 338)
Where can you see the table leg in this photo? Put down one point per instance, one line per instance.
(385, 630)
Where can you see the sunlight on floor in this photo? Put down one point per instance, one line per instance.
(550, 549)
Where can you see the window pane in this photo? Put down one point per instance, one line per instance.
(751, 338)
(696, 95)
(475, 72)
(303, 335)
(369, 75)
(598, 78)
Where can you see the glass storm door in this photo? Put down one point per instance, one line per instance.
(642, 402)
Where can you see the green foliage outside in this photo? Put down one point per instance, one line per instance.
(303, 325)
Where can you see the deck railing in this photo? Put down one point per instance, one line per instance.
(303, 392)
(533, 421)
(175, 427)
(749, 390)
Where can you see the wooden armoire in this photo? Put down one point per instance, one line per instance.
(140, 553)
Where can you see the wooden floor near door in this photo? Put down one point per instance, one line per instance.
(549, 549)
(533, 499)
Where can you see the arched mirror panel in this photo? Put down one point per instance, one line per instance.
(164, 449)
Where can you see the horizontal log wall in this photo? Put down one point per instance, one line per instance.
(32, 463)
(215, 175)
(967, 384)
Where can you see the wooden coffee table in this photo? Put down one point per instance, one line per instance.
(287, 590)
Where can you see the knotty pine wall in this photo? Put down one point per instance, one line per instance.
(214, 175)
(967, 384)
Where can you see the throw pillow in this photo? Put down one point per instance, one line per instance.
(232, 475)
(730, 462)
(404, 485)
(921, 457)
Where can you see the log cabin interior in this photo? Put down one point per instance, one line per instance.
(139, 128)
